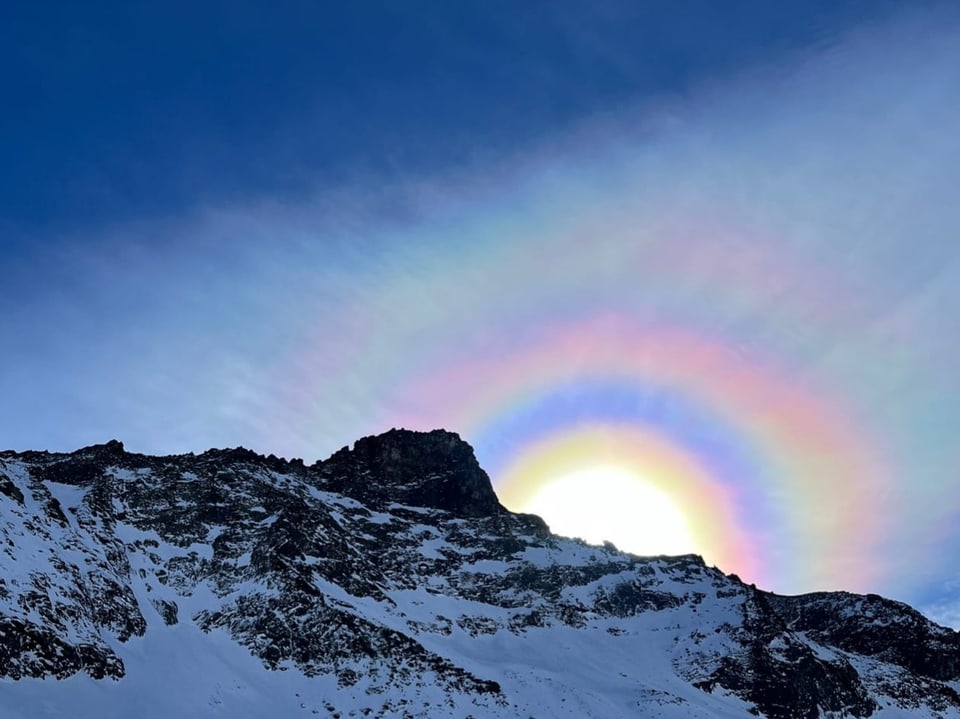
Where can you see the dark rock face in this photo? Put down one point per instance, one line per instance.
(332, 569)
(28, 650)
(875, 627)
(784, 676)
(434, 469)
(887, 631)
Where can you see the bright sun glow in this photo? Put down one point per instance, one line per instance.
(606, 503)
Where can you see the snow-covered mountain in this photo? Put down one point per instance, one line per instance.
(388, 581)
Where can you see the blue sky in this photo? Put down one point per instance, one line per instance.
(120, 111)
(289, 225)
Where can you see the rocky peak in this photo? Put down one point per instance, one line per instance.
(391, 582)
(426, 469)
(113, 449)
(82, 467)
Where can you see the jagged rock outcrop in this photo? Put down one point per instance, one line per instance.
(391, 572)
(433, 469)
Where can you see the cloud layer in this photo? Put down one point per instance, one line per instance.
(757, 278)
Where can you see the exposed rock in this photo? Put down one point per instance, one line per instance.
(433, 469)
(365, 567)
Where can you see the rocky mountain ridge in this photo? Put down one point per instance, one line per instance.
(389, 581)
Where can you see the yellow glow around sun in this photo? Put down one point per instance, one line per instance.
(609, 503)
(631, 486)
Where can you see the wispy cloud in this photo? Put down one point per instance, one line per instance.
(946, 611)
(799, 218)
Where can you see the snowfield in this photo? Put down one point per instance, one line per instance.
(388, 582)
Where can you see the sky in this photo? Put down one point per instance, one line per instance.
(685, 275)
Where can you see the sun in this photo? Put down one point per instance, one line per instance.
(607, 503)
(631, 486)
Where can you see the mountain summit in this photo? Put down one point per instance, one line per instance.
(388, 581)
(436, 470)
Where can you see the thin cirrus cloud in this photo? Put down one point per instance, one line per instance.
(795, 228)
(755, 282)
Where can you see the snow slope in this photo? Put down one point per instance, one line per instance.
(388, 581)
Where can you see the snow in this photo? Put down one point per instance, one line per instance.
(603, 666)
(176, 672)
(209, 675)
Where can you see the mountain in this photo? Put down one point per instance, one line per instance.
(388, 581)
